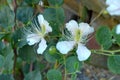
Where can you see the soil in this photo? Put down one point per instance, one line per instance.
(90, 72)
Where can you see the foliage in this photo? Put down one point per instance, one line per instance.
(18, 19)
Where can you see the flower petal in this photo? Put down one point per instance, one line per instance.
(48, 27)
(65, 46)
(118, 29)
(113, 10)
(40, 19)
(108, 2)
(33, 38)
(42, 46)
(44, 23)
(82, 52)
(85, 29)
(72, 26)
(113, 2)
(113, 7)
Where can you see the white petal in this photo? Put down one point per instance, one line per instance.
(33, 38)
(65, 46)
(41, 3)
(72, 26)
(85, 29)
(83, 53)
(48, 27)
(108, 2)
(42, 46)
(115, 2)
(113, 7)
(40, 19)
(42, 22)
(113, 10)
(118, 29)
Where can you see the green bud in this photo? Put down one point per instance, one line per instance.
(52, 50)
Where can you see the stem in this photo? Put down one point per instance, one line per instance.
(111, 51)
(3, 33)
(15, 50)
(106, 52)
(50, 7)
(65, 74)
(15, 60)
(31, 67)
(97, 16)
(15, 9)
(56, 64)
(103, 54)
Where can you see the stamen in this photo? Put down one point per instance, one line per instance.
(34, 36)
(68, 35)
(43, 29)
(77, 35)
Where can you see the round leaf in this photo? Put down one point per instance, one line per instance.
(56, 18)
(27, 53)
(32, 1)
(73, 64)
(117, 59)
(51, 57)
(113, 66)
(19, 38)
(6, 17)
(54, 75)
(1, 61)
(104, 37)
(34, 75)
(55, 2)
(8, 58)
(6, 77)
(24, 14)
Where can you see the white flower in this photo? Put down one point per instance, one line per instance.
(118, 29)
(79, 33)
(41, 3)
(37, 36)
(113, 7)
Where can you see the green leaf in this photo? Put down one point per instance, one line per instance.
(113, 66)
(116, 36)
(8, 54)
(7, 50)
(117, 59)
(56, 18)
(27, 53)
(6, 17)
(54, 74)
(39, 65)
(32, 1)
(1, 61)
(55, 2)
(19, 38)
(6, 77)
(73, 76)
(34, 75)
(73, 64)
(1, 36)
(10, 3)
(104, 37)
(2, 45)
(24, 14)
(26, 68)
(8, 63)
(51, 57)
